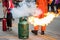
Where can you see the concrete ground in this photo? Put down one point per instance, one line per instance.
(50, 34)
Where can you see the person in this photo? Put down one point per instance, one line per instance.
(57, 2)
(42, 5)
(49, 4)
(52, 6)
(5, 6)
(9, 20)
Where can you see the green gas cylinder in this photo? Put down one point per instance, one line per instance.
(23, 29)
(22, 19)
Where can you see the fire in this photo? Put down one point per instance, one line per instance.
(43, 21)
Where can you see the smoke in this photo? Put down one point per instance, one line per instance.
(25, 9)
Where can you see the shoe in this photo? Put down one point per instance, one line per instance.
(8, 28)
(35, 32)
(42, 33)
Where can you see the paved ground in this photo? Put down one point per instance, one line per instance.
(52, 32)
(13, 35)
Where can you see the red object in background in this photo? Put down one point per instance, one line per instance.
(11, 5)
(4, 28)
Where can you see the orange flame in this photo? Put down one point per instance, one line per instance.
(44, 21)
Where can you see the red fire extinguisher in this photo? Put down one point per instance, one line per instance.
(4, 24)
(4, 28)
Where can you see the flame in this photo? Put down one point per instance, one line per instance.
(43, 21)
